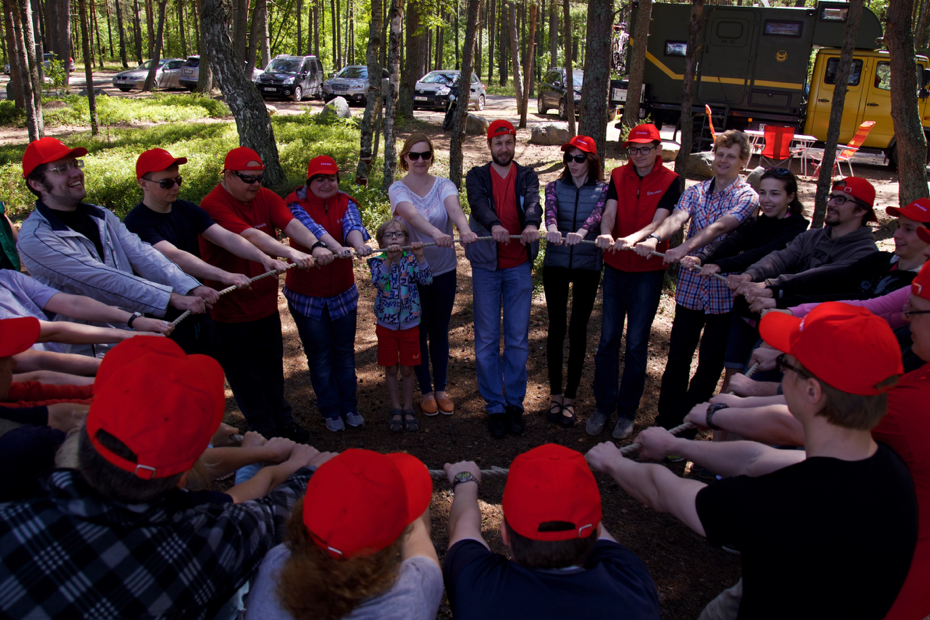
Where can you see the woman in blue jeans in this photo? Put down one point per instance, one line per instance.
(430, 205)
(323, 301)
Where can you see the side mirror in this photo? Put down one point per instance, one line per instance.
(923, 93)
(557, 84)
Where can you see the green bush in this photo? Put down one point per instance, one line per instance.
(160, 108)
(10, 114)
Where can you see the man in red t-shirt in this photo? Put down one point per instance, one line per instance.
(248, 326)
(504, 200)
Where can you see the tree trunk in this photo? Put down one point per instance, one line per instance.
(637, 64)
(156, 52)
(337, 35)
(553, 33)
(205, 75)
(373, 105)
(13, 45)
(29, 46)
(503, 43)
(596, 86)
(569, 78)
(181, 32)
(396, 18)
(528, 64)
(695, 24)
(265, 39)
(515, 57)
(415, 63)
(300, 32)
(911, 144)
(492, 37)
(252, 51)
(456, 158)
(88, 68)
(316, 29)
(106, 5)
(252, 120)
(150, 22)
(825, 182)
(26, 70)
(455, 29)
(241, 32)
(137, 23)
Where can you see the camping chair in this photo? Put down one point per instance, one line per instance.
(777, 146)
(710, 122)
(845, 152)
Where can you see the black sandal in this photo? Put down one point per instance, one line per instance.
(568, 421)
(396, 425)
(555, 412)
(410, 425)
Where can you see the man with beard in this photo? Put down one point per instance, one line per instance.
(504, 199)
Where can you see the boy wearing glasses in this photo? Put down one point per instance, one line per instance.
(173, 227)
(84, 249)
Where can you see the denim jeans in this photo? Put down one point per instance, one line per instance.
(436, 302)
(330, 349)
(502, 380)
(632, 297)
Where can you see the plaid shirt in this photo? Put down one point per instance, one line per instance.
(71, 554)
(706, 207)
(345, 302)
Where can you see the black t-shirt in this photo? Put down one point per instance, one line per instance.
(180, 227)
(824, 538)
(614, 583)
(668, 201)
(80, 222)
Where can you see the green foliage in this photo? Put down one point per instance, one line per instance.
(625, 131)
(497, 89)
(10, 114)
(122, 110)
(55, 76)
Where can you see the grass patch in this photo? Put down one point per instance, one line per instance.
(161, 108)
(497, 89)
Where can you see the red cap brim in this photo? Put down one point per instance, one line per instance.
(17, 335)
(924, 233)
(418, 482)
(778, 330)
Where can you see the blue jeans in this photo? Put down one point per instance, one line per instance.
(436, 302)
(634, 295)
(330, 349)
(502, 381)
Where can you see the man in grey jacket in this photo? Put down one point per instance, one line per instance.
(844, 239)
(84, 249)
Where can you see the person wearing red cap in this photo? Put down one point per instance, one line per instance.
(574, 204)
(119, 532)
(84, 249)
(565, 563)
(324, 301)
(504, 200)
(339, 560)
(173, 227)
(640, 196)
(856, 496)
(250, 346)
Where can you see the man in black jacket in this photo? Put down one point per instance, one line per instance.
(504, 198)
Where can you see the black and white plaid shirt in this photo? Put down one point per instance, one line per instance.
(71, 554)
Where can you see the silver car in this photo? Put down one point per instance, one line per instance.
(190, 73)
(432, 90)
(352, 84)
(166, 76)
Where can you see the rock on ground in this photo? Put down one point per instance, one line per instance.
(699, 166)
(337, 108)
(98, 92)
(669, 152)
(755, 177)
(271, 109)
(550, 133)
(476, 125)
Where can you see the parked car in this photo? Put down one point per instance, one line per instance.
(166, 76)
(190, 73)
(352, 83)
(432, 90)
(293, 77)
(46, 57)
(552, 91)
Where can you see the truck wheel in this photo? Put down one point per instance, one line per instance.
(540, 106)
(563, 112)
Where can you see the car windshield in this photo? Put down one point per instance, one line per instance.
(440, 78)
(577, 78)
(284, 65)
(148, 63)
(353, 73)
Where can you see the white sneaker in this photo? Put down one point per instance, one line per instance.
(354, 419)
(335, 425)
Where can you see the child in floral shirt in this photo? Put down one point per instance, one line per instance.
(395, 273)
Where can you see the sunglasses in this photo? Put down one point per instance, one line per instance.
(77, 164)
(415, 156)
(579, 159)
(167, 183)
(249, 180)
(642, 150)
(783, 365)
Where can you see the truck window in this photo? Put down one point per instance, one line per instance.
(729, 29)
(833, 14)
(782, 28)
(676, 48)
(883, 76)
(833, 65)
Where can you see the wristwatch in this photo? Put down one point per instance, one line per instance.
(318, 244)
(656, 237)
(711, 410)
(463, 476)
(135, 315)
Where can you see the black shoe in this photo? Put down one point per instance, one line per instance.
(515, 415)
(294, 432)
(498, 423)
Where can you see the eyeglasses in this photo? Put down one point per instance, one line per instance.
(839, 199)
(395, 234)
(908, 313)
(167, 183)
(249, 180)
(783, 365)
(579, 159)
(641, 150)
(78, 164)
(415, 156)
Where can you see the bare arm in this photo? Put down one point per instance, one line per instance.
(669, 226)
(406, 210)
(269, 478)
(769, 424)
(454, 210)
(722, 226)
(465, 515)
(77, 333)
(239, 246)
(254, 449)
(418, 542)
(194, 266)
(83, 365)
(87, 309)
(272, 247)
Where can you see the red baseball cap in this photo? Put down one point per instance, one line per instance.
(861, 190)
(641, 134)
(924, 234)
(17, 335)
(845, 346)
(243, 158)
(582, 143)
(501, 127)
(324, 164)
(163, 410)
(360, 502)
(45, 150)
(132, 349)
(548, 484)
(920, 287)
(919, 211)
(156, 160)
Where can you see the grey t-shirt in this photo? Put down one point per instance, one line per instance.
(22, 296)
(433, 208)
(415, 595)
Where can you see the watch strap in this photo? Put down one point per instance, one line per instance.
(135, 315)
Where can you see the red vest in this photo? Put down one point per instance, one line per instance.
(637, 200)
(336, 277)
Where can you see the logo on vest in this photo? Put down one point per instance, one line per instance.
(654, 193)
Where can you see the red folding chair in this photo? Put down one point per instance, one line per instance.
(777, 150)
(710, 122)
(845, 152)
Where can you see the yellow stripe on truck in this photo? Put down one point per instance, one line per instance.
(722, 80)
(675, 76)
(787, 85)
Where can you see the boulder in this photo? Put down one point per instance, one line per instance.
(54, 105)
(670, 151)
(755, 177)
(476, 125)
(699, 166)
(337, 108)
(98, 92)
(271, 109)
(550, 133)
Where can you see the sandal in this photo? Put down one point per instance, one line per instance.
(396, 421)
(410, 423)
(555, 412)
(568, 416)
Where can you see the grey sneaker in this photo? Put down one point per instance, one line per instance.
(355, 419)
(335, 425)
(623, 429)
(596, 423)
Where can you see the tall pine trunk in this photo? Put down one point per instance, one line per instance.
(156, 52)
(29, 46)
(396, 18)
(528, 64)
(569, 78)
(637, 64)
(373, 105)
(515, 56)
(597, 60)
(415, 62)
(88, 68)
(695, 24)
(137, 26)
(554, 33)
(456, 158)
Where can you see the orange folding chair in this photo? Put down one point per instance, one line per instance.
(710, 122)
(777, 146)
(845, 152)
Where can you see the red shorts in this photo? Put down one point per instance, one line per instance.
(403, 344)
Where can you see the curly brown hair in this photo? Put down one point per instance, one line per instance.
(311, 584)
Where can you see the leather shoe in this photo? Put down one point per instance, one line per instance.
(429, 407)
(446, 406)
(516, 420)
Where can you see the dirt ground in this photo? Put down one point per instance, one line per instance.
(687, 571)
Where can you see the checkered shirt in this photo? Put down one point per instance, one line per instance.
(706, 207)
(69, 553)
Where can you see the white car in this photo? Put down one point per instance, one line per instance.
(166, 76)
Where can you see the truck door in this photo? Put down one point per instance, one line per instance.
(727, 56)
(878, 105)
(823, 82)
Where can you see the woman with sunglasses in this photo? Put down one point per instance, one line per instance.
(574, 204)
(430, 205)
